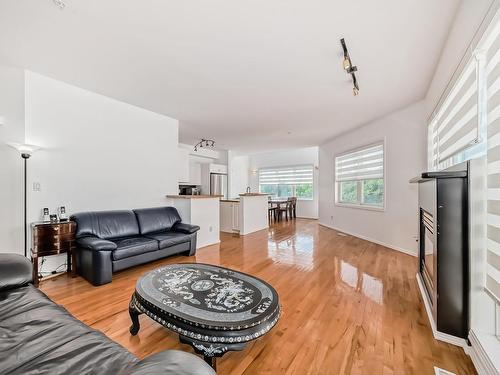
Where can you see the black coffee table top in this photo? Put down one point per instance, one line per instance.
(209, 296)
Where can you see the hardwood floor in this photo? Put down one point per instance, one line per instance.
(349, 306)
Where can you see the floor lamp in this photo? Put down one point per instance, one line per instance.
(26, 151)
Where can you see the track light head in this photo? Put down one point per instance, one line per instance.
(347, 64)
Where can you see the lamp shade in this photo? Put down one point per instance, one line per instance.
(24, 148)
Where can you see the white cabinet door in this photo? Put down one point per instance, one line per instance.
(183, 165)
(218, 168)
(194, 173)
(226, 217)
(236, 217)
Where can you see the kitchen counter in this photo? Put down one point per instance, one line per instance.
(244, 215)
(201, 196)
(202, 210)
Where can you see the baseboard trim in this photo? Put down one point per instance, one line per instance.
(450, 339)
(479, 357)
(207, 245)
(400, 249)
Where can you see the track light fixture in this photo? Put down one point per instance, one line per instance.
(349, 68)
(204, 143)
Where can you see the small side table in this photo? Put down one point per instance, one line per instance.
(52, 239)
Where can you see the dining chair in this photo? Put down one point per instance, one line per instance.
(284, 208)
(293, 208)
(271, 212)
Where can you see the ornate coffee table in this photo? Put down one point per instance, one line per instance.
(213, 309)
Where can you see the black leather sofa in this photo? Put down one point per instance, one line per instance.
(110, 241)
(39, 337)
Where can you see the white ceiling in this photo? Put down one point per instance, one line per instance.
(253, 75)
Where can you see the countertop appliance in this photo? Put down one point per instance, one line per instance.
(218, 184)
(189, 190)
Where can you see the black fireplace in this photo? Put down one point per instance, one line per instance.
(444, 247)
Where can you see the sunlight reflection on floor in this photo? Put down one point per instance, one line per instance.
(296, 250)
(361, 282)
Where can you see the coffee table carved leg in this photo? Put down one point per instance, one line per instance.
(134, 316)
(210, 351)
(212, 361)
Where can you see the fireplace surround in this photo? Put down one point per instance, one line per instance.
(443, 262)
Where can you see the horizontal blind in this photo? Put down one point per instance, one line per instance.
(492, 47)
(286, 175)
(455, 125)
(364, 164)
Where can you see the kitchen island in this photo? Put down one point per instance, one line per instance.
(244, 215)
(202, 210)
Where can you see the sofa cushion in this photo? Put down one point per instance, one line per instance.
(95, 243)
(128, 247)
(16, 271)
(106, 224)
(39, 337)
(156, 219)
(167, 239)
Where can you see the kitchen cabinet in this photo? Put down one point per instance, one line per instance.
(183, 165)
(236, 217)
(229, 216)
(218, 168)
(194, 173)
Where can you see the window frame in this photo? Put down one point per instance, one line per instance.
(294, 186)
(359, 204)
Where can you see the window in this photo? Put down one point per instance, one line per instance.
(457, 128)
(359, 177)
(284, 182)
(491, 50)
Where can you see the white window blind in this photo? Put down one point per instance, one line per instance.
(364, 164)
(492, 48)
(455, 125)
(286, 175)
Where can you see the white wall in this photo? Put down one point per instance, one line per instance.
(283, 158)
(11, 177)
(405, 157)
(98, 153)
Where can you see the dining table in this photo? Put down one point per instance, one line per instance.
(276, 203)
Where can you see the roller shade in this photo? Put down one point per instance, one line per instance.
(454, 127)
(286, 175)
(492, 48)
(364, 164)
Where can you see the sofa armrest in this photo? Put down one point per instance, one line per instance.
(170, 362)
(15, 271)
(95, 243)
(185, 228)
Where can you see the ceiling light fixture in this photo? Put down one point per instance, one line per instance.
(349, 68)
(204, 143)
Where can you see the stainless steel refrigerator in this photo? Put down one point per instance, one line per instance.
(218, 184)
